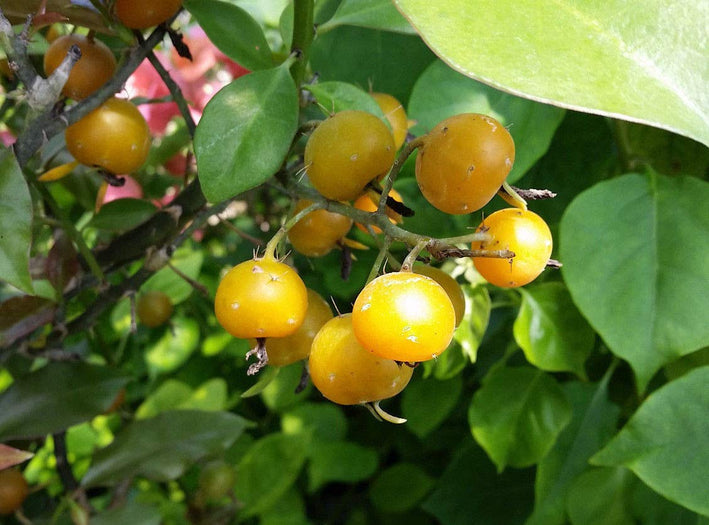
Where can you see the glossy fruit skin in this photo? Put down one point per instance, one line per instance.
(395, 114)
(346, 151)
(463, 162)
(318, 232)
(283, 351)
(450, 285)
(95, 67)
(521, 231)
(347, 374)
(404, 316)
(153, 308)
(139, 14)
(261, 298)
(114, 137)
(13, 491)
(370, 200)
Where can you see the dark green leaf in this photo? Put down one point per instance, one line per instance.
(635, 248)
(517, 415)
(15, 224)
(233, 31)
(133, 512)
(337, 96)
(162, 448)
(652, 509)
(441, 92)
(551, 331)
(400, 487)
(280, 393)
(288, 510)
(381, 60)
(340, 461)
(268, 470)
(643, 65)
(245, 132)
(664, 442)
(375, 14)
(426, 403)
(592, 424)
(601, 495)
(55, 397)
(470, 492)
(122, 214)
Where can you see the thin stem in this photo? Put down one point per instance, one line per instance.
(410, 259)
(71, 231)
(303, 35)
(175, 91)
(383, 252)
(511, 197)
(64, 469)
(388, 182)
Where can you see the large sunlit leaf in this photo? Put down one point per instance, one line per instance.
(162, 448)
(643, 61)
(15, 224)
(664, 442)
(174, 347)
(517, 414)
(55, 397)
(635, 254)
(551, 331)
(233, 31)
(245, 132)
(441, 92)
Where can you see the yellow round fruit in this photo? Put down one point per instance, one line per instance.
(395, 114)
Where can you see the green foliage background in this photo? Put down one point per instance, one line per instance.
(579, 399)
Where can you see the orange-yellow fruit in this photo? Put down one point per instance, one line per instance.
(370, 200)
(316, 234)
(347, 374)
(463, 162)
(141, 14)
(523, 232)
(95, 67)
(13, 491)
(395, 114)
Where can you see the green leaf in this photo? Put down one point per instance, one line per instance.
(643, 65)
(400, 487)
(341, 461)
(601, 495)
(188, 261)
(652, 509)
(551, 331)
(664, 442)
(338, 96)
(122, 214)
(280, 393)
(15, 224)
(474, 324)
(55, 397)
(441, 92)
(245, 132)
(426, 403)
(175, 346)
(393, 60)
(133, 512)
(634, 250)
(592, 424)
(517, 415)
(174, 395)
(233, 31)
(321, 421)
(470, 492)
(288, 510)
(375, 14)
(162, 448)
(268, 470)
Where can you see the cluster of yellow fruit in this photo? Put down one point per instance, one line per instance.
(400, 318)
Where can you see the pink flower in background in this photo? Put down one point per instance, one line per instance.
(7, 138)
(131, 189)
(199, 79)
